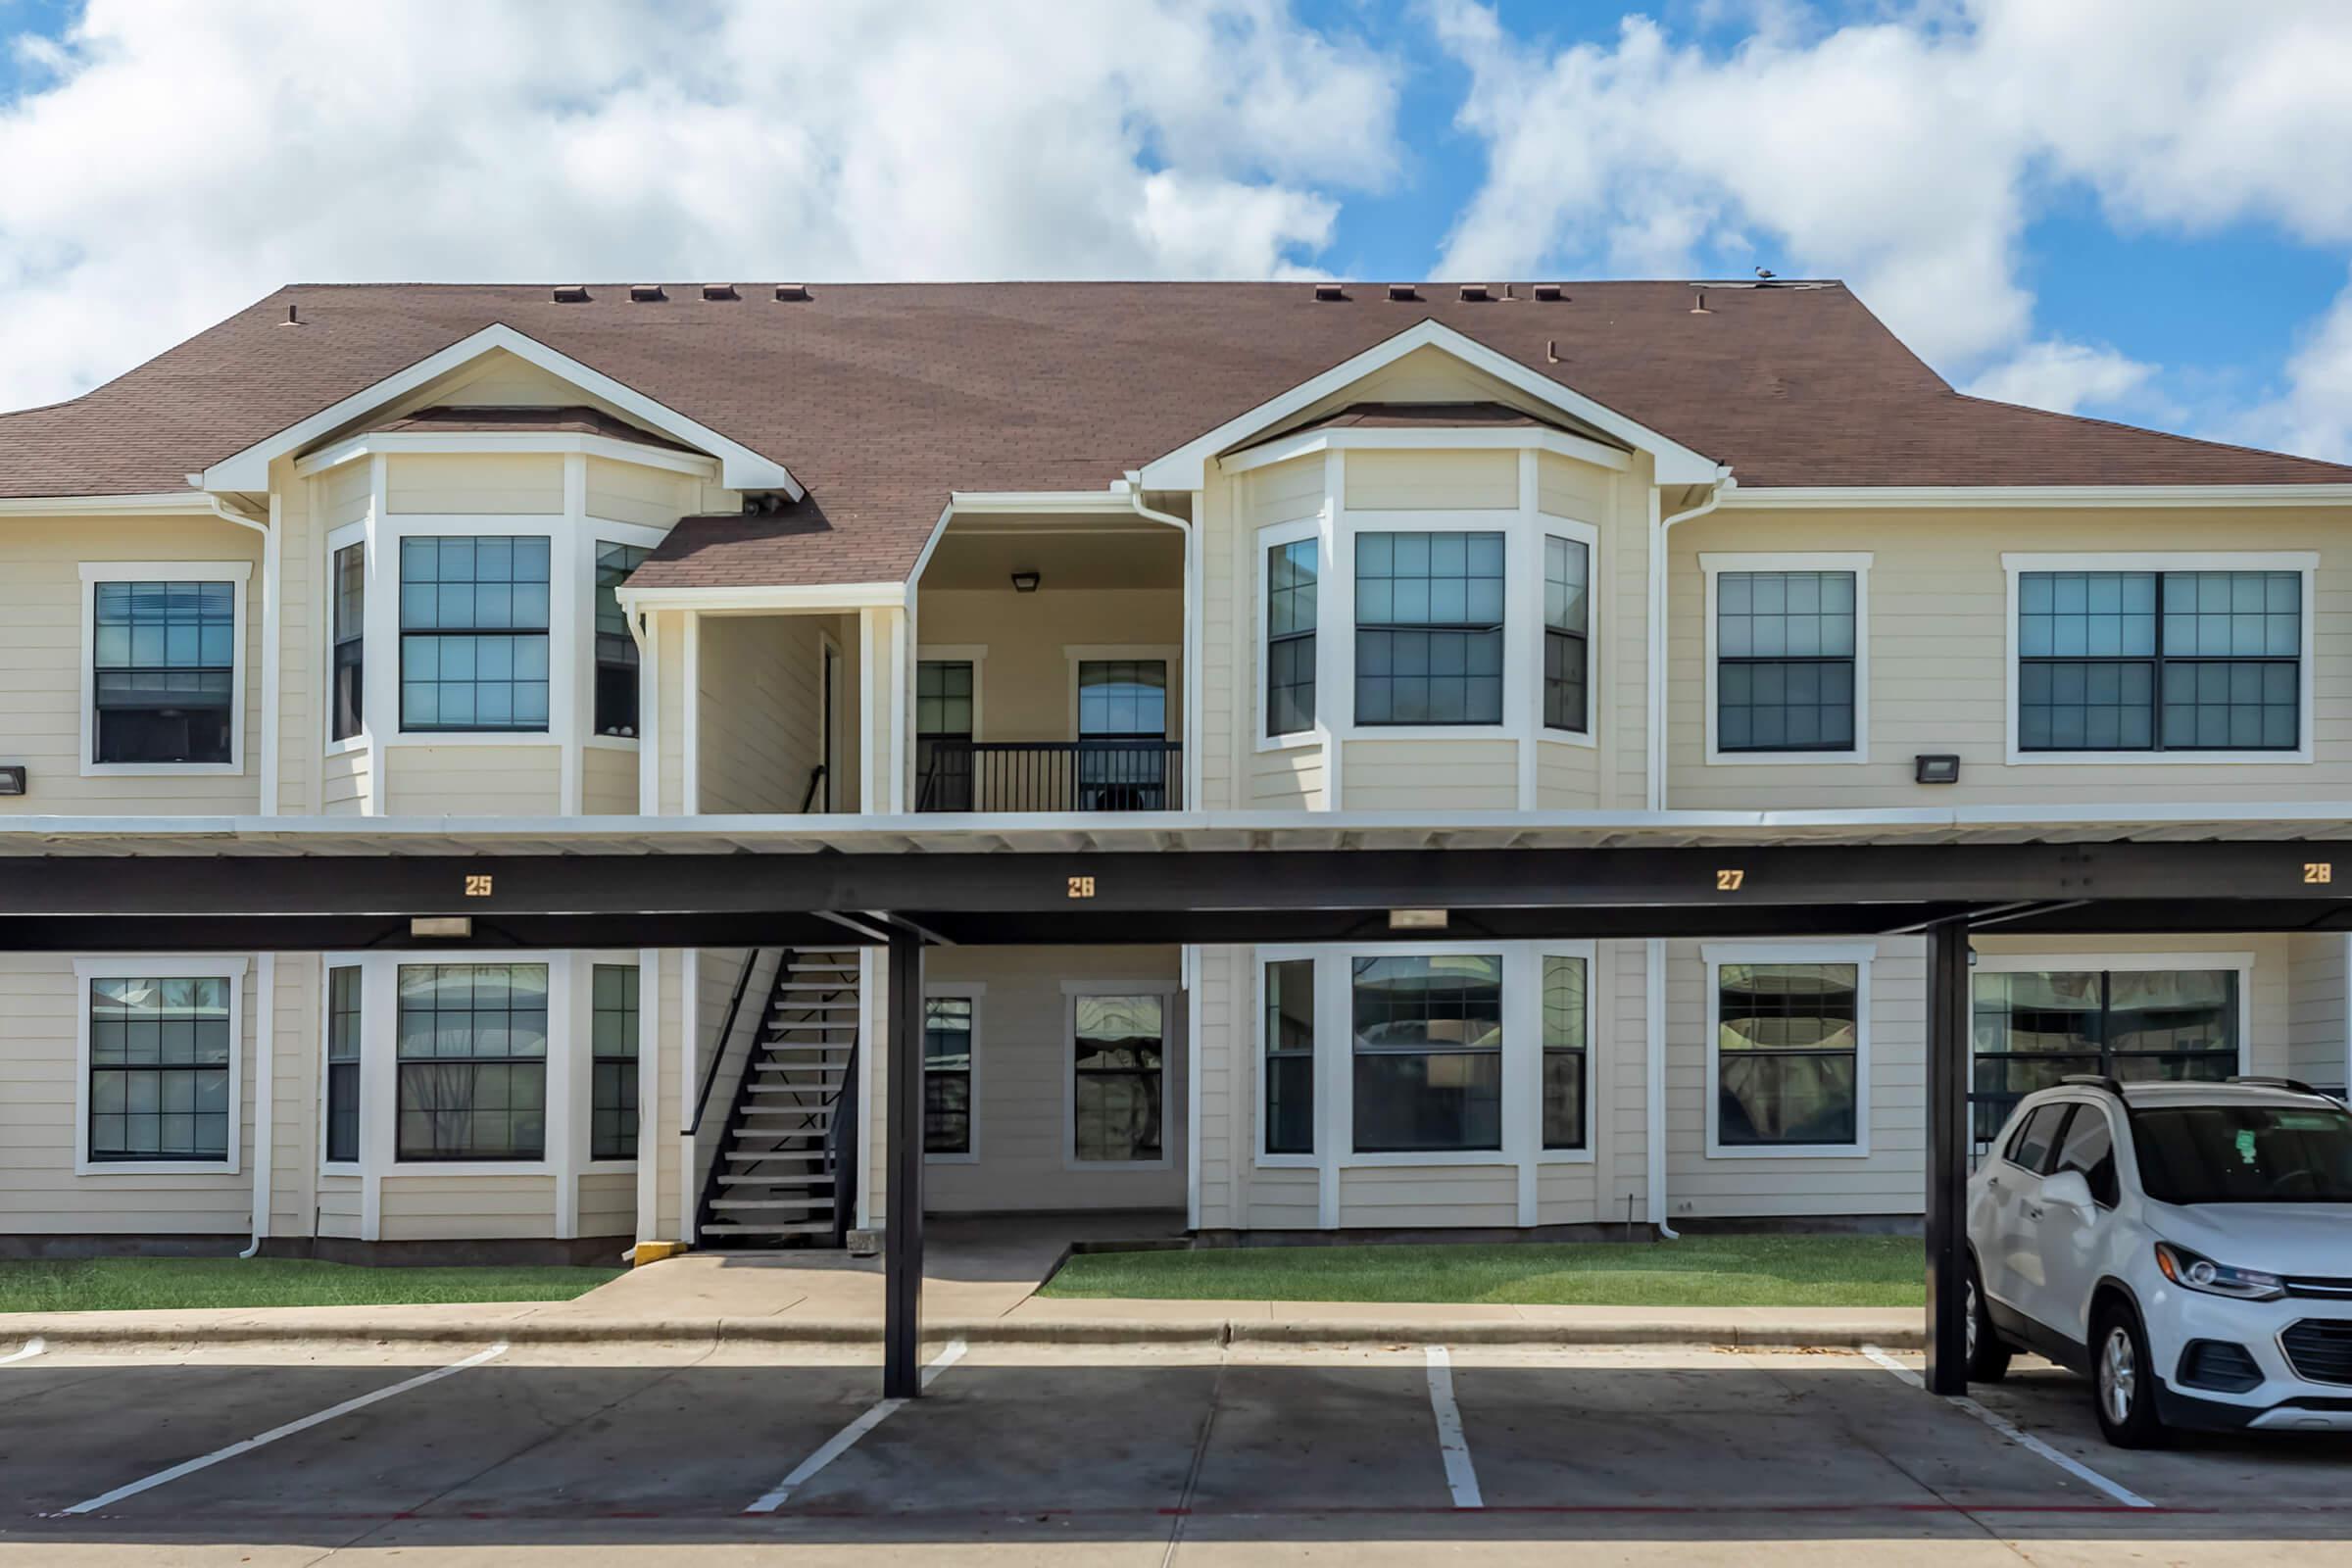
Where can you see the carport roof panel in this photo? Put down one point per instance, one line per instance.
(1174, 832)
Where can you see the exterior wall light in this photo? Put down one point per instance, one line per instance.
(457, 926)
(1416, 919)
(1025, 582)
(1936, 768)
(12, 779)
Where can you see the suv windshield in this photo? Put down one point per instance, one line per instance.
(2244, 1153)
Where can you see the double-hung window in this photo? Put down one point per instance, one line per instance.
(944, 706)
(1428, 628)
(2159, 660)
(348, 589)
(616, 649)
(1428, 1053)
(160, 1069)
(1567, 628)
(1564, 1050)
(947, 1029)
(472, 1062)
(473, 633)
(1290, 1048)
(613, 1062)
(1117, 1090)
(343, 1014)
(1292, 589)
(162, 678)
(1787, 650)
(1787, 1055)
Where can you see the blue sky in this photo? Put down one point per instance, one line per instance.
(2138, 208)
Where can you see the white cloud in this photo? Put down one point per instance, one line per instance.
(2063, 376)
(2313, 414)
(176, 158)
(1908, 153)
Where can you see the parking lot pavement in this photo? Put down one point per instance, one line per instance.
(1110, 1455)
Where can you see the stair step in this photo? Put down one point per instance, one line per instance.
(814, 1227)
(726, 1180)
(772, 1203)
(796, 1087)
(783, 1156)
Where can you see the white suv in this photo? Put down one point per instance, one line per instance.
(2186, 1245)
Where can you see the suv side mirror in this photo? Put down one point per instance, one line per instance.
(2067, 1186)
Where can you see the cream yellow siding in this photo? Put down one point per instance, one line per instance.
(1412, 1197)
(469, 1208)
(1449, 775)
(345, 779)
(500, 380)
(340, 1205)
(628, 492)
(715, 972)
(609, 780)
(461, 780)
(608, 1204)
(296, 1048)
(2320, 1051)
(41, 647)
(470, 485)
(757, 725)
(1028, 679)
(1431, 482)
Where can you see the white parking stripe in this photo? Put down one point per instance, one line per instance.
(317, 1418)
(2010, 1429)
(32, 1347)
(1460, 1476)
(845, 1439)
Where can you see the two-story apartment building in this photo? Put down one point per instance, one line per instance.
(1152, 566)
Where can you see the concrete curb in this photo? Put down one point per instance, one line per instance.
(1796, 1335)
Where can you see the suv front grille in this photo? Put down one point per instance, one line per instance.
(2326, 1289)
(2319, 1350)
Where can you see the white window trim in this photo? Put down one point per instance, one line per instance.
(2242, 964)
(379, 1069)
(162, 966)
(1713, 565)
(1522, 1066)
(2015, 564)
(1521, 614)
(600, 531)
(1861, 954)
(338, 540)
(1167, 989)
(93, 573)
(971, 990)
(583, 1111)
(565, 548)
(1268, 539)
(1169, 654)
(1585, 534)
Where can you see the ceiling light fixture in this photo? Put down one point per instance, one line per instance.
(1025, 582)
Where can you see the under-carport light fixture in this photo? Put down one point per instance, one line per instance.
(1936, 767)
(1416, 919)
(1025, 582)
(458, 928)
(12, 779)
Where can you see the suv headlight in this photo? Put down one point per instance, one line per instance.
(2193, 1272)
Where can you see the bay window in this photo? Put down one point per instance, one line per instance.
(1428, 628)
(473, 633)
(1289, 1056)
(1428, 1053)
(472, 1047)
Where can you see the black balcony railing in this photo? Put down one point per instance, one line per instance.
(1089, 775)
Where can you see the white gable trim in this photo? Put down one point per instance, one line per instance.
(740, 468)
(1185, 468)
(1517, 438)
(557, 442)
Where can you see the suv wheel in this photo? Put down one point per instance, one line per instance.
(1987, 1357)
(2124, 1378)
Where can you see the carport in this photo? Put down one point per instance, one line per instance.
(261, 884)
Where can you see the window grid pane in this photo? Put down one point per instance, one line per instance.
(612, 1047)
(1785, 646)
(473, 617)
(1291, 1057)
(1788, 1053)
(947, 1075)
(2135, 662)
(349, 626)
(1428, 1053)
(1123, 699)
(160, 1058)
(2032, 1029)
(1117, 1068)
(616, 649)
(472, 1062)
(1291, 617)
(1429, 617)
(343, 1063)
(164, 667)
(1567, 609)
(1564, 1047)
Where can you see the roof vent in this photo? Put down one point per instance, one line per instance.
(791, 292)
(1403, 291)
(293, 316)
(720, 291)
(646, 293)
(1549, 292)
(1473, 293)
(1327, 293)
(571, 294)
(1699, 305)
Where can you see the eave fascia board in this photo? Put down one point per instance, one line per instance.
(1082, 502)
(740, 468)
(557, 442)
(775, 597)
(1945, 497)
(161, 504)
(1185, 467)
(1308, 443)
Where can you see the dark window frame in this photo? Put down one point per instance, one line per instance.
(1723, 1141)
(1489, 1056)
(1292, 650)
(1287, 1045)
(1574, 1060)
(1156, 1075)
(2098, 1056)
(1560, 638)
(947, 788)
(407, 1067)
(1476, 632)
(936, 1144)
(109, 1057)
(346, 1014)
(517, 633)
(613, 1099)
(2159, 661)
(616, 714)
(1850, 661)
(206, 706)
(347, 591)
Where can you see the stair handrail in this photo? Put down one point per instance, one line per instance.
(841, 1146)
(816, 776)
(726, 1032)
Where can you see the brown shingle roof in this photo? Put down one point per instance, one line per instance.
(881, 398)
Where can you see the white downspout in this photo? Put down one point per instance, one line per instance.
(1653, 951)
(265, 1092)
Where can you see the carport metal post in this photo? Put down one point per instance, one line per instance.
(903, 1213)
(1947, 1155)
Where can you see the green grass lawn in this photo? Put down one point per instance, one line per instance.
(116, 1284)
(1696, 1271)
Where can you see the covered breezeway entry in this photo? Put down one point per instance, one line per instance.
(254, 884)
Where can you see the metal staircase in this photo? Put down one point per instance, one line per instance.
(785, 1173)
